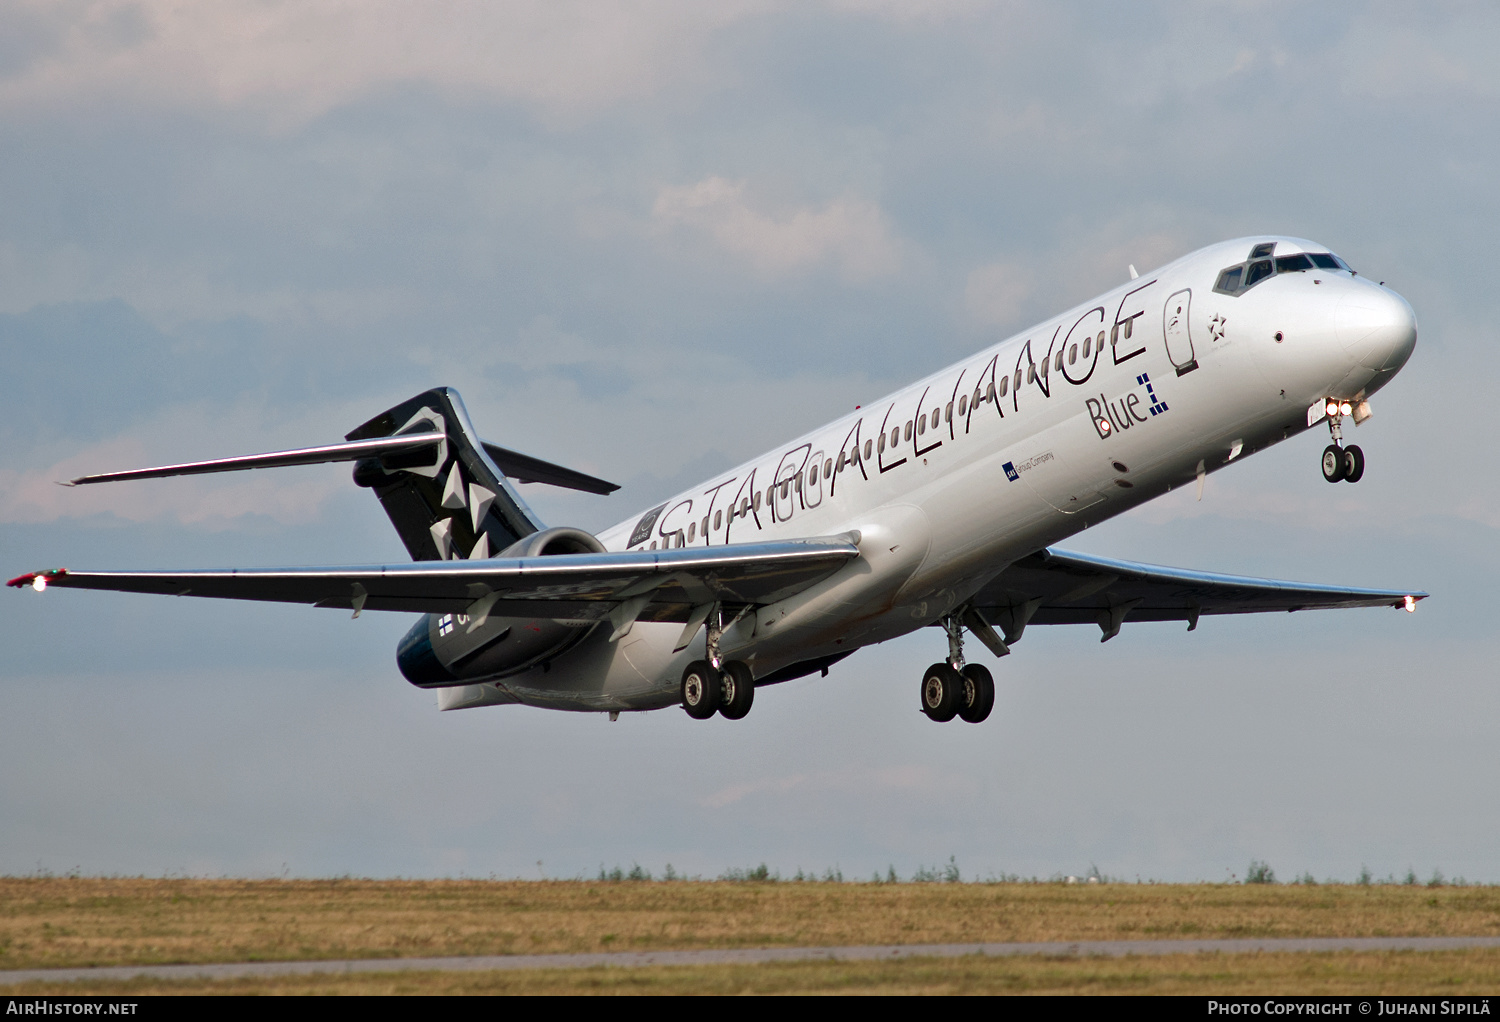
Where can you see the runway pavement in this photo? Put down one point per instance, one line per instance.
(746, 956)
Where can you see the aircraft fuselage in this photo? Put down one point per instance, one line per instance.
(1151, 386)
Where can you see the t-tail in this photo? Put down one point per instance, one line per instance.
(449, 500)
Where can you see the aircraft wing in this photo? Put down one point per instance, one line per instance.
(661, 585)
(1055, 587)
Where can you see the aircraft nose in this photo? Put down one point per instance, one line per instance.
(1377, 328)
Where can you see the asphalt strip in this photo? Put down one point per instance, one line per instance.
(748, 956)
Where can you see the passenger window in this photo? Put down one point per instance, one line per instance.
(1129, 326)
(1031, 373)
(1058, 360)
(1018, 380)
(921, 424)
(1258, 272)
(1072, 354)
(756, 504)
(989, 393)
(881, 446)
(692, 531)
(934, 418)
(827, 468)
(867, 449)
(896, 434)
(1004, 385)
(653, 544)
(963, 406)
(812, 475)
(948, 412)
(1101, 332)
(908, 430)
(718, 520)
(1087, 343)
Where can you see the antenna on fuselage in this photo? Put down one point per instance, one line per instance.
(1133, 274)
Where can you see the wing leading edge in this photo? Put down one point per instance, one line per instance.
(567, 586)
(1056, 587)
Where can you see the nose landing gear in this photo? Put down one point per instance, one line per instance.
(1340, 463)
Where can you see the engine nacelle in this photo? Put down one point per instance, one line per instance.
(561, 540)
(448, 649)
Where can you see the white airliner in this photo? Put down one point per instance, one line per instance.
(936, 505)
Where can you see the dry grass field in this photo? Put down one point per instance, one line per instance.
(58, 922)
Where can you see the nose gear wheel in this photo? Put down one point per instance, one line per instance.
(1333, 464)
(1354, 463)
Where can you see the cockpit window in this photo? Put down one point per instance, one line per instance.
(1236, 280)
(1329, 261)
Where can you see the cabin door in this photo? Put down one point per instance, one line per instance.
(1175, 321)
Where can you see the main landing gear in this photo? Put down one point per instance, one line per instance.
(968, 694)
(729, 691)
(716, 685)
(955, 689)
(1340, 463)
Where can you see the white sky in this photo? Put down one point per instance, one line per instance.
(651, 239)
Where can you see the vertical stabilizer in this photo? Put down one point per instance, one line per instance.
(452, 503)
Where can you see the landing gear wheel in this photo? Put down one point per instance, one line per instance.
(1334, 467)
(1354, 463)
(976, 695)
(940, 692)
(700, 689)
(737, 691)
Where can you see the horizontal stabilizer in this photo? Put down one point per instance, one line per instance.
(564, 586)
(523, 468)
(349, 451)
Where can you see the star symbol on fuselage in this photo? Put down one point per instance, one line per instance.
(1216, 326)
